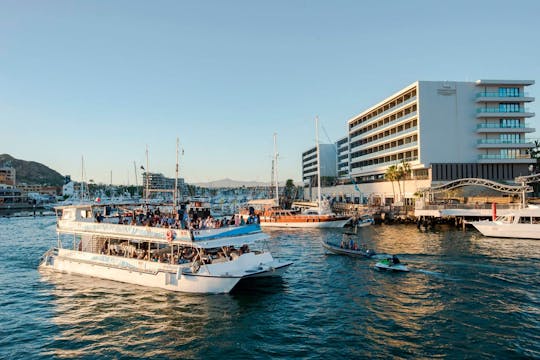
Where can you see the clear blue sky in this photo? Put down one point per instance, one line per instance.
(103, 79)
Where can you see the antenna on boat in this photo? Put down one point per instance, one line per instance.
(276, 170)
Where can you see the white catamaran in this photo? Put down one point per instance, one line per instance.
(196, 261)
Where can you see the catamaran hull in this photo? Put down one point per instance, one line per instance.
(276, 270)
(164, 276)
(519, 231)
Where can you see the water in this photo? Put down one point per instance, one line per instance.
(466, 297)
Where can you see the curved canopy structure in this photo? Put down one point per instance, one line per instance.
(509, 189)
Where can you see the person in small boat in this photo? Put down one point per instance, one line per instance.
(395, 260)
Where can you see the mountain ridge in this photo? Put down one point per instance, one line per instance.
(32, 172)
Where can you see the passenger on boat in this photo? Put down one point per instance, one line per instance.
(395, 259)
(351, 244)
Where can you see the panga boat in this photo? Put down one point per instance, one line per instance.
(388, 265)
(361, 251)
(521, 223)
(200, 261)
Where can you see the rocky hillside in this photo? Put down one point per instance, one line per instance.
(31, 172)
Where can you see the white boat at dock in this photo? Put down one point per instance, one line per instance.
(521, 223)
(194, 261)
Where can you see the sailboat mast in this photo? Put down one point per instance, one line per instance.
(276, 170)
(318, 162)
(146, 196)
(175, 195)
(82, 178)
(136, 180)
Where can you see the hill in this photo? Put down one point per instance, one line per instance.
(228, 183)
(31, 172)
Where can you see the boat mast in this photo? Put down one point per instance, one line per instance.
(175, 196)
(318, 163)
(276, 170)
(82, 179)
(146, 195)
(135, 170)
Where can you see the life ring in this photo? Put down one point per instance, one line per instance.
(171, 235)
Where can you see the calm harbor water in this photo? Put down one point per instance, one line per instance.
(466, 297)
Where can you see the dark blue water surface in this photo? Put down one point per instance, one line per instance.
(466, 297)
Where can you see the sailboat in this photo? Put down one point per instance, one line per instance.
(318, 217)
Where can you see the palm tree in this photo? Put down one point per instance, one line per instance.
(406, 170)
(392, 175)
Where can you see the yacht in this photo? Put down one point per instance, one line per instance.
(212, 260)
(521, 223)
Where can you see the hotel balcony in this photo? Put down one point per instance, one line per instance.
(498, 112)
(382, 166)
(381, 115)
(498, 128)
(498, 143)
(496, 97)
(385, 126)
(390, 151)
(497, 158)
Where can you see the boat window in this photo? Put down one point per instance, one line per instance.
(525, 220)
(68, 214)
(536, 220)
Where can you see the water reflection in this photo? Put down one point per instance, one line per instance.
(106, 318)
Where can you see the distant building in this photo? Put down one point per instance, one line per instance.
(39, 189)
(8, 176)
(328, 163)
(157, 181)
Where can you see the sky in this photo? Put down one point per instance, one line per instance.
(104, 80)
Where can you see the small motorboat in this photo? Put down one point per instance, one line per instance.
(358, 252)
(389, 265)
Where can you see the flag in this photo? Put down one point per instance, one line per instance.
(142, 167)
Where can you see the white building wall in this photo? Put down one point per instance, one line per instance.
(447, 125)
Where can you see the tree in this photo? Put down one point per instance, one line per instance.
(392, 175)
(406, 173)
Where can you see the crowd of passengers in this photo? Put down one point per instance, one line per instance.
(180, 255)
(188, 220)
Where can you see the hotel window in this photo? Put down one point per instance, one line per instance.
(509, 123)
(508, 91)
(509, 107)
(509, 138)
(509, 153)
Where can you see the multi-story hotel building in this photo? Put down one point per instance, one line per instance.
(328, 163)
(444, 130)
